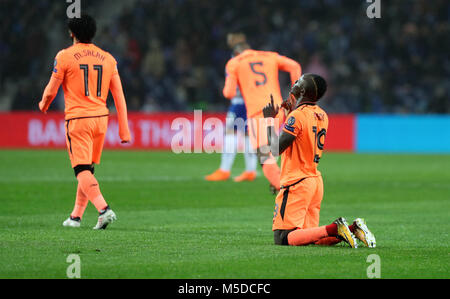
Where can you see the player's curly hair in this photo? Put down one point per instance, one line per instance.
(84, 28)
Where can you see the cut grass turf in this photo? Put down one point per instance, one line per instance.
(173, 224)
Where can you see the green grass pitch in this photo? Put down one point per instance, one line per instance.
(173, 224)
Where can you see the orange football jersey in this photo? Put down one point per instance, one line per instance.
(309, 124)
(86, 72)
(256, 74)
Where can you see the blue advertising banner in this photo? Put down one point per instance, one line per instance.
(402, 133)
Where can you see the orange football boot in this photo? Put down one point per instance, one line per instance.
(218, 175)
(246, 176)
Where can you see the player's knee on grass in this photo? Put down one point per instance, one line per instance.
(82, 167)
(280, 236)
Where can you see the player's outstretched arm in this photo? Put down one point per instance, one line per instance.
(229, 90)
(291, 66)
(50, 92)
(121, 107)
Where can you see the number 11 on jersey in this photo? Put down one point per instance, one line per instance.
(99, 69)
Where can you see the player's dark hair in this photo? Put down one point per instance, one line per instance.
(84, 28)
(314, 85)
(320, 86)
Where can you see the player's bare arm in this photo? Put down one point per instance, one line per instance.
(277, 144)
(283, 141)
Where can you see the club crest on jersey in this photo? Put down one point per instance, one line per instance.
(54, 66)
(289, 124)
(291, 121)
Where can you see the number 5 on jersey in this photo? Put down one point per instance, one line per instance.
(259, 73)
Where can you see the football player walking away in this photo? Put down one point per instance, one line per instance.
(87, 73)
(256, 74)
(235, 123)
(301, 142)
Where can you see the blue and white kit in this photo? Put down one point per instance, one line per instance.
(237, 110)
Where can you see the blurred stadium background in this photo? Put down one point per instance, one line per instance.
(171, 56)
(172, 53)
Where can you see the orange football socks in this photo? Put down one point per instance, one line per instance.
(80, 204)
(306, 236)
(328, 241)
(312, 235)
(89, 186)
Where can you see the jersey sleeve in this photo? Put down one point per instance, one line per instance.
(115, 69)
(49, 93)
(289, 65)
(231, 83)
(59, 66)
(121, 107)
(293, 124)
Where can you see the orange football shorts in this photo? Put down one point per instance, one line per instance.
(85, 138)
(298, 205)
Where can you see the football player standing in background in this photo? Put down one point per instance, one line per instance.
(236, 112)
(256, 74)
(301, 142)
(87, 73)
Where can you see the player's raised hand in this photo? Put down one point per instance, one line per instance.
(270, 110)
(289, 103)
